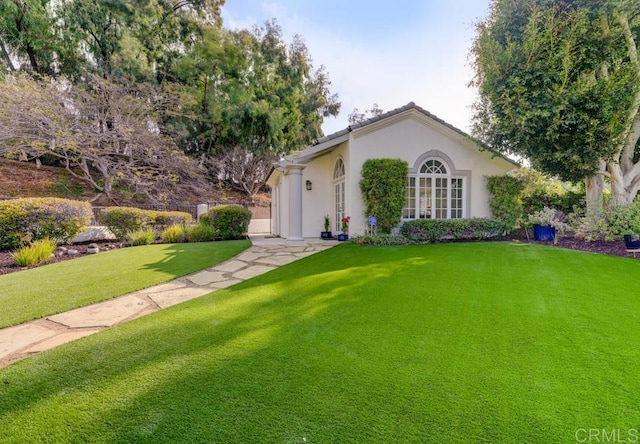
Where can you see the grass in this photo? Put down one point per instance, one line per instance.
(481, 342)
(59, 287)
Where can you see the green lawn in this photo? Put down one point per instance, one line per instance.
(480, 342)
(59, 287)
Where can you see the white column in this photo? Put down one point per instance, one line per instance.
(295, 201)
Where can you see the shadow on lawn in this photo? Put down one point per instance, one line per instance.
(181, 257)
(248, 364)
(167, 373)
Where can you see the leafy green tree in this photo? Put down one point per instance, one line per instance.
(559, 84)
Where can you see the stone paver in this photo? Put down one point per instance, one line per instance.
(104, 314)
(206, 277)
(21, 336)
(252, 271)
(60, 339)
(265, 255)
(230, 266)
(168, 298)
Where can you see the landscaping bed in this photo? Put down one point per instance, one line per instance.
(7, 264)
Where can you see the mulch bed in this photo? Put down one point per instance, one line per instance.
(7, 265)
(615, 248)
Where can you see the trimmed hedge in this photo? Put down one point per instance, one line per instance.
(29, 219)
(124, 220)
(505, 198)
(164, 219)
(229, 221)
(379, 240)
(383, 190)
(434, 230)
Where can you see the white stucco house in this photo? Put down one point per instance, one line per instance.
(446, 179)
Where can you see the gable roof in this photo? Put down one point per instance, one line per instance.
(327, 142)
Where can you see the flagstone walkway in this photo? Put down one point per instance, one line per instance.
(264, 255)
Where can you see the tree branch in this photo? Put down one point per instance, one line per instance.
(633, 132)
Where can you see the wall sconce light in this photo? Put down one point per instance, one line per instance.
(309, 185)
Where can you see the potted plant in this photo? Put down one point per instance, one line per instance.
(345, 229)
(545, 224)
(326, 234)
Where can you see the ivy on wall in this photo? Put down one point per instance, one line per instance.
(383, 190)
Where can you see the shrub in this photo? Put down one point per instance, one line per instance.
(39, 251)
(610, 223)
(123, 220)
(229, 221)
(203, 232)
(566, 201)
(174, 233)
(383, 190)
(30, 219)
(504, 200)
(163, 219)
(143, 236)
(434, 230)
(381, 239)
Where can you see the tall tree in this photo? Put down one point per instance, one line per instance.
(559, 84)
(102, 131)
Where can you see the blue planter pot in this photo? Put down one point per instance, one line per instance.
(544, 233)
(325, 234)
(632, 241)
(343, 237)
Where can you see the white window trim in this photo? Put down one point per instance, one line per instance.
(452, 173)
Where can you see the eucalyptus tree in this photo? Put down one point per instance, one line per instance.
(559, 84)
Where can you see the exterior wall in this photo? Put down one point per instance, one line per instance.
(320, 200)
(409, 136)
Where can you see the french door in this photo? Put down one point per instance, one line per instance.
(339, 199)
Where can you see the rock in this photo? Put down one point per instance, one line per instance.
(72, 252)
(93, 250)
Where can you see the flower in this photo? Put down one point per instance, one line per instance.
(345, 224)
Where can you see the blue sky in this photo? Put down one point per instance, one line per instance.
(389, 53)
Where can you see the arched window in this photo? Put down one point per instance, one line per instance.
(338, 169)
(434, 193)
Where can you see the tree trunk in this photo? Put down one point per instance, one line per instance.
(595, 190)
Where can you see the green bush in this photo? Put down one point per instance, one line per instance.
(38, 252)
(610, 223)
(380, 240)
(163, 219)
(383, 190)
(30, 219)
(174, 233)
(123, 220)
(229, 221)
(504, 200)
(434, 230)
(566, 201)
(203, 232)
(143, 236)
